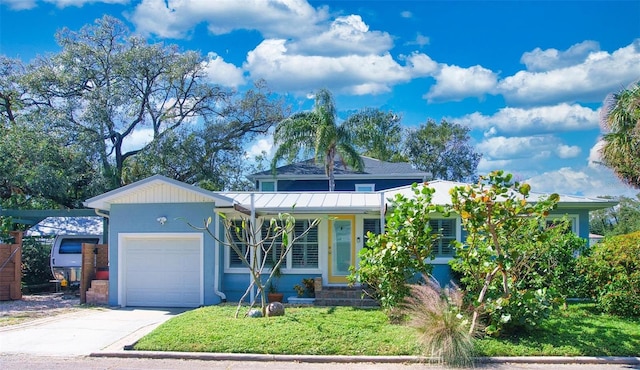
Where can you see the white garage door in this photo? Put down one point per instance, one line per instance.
(162, 271)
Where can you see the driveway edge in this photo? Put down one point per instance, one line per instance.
(359, 359)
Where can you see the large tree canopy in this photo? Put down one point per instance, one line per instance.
(377, 134)
(443, 150)
(317, 132)
(621, 119)
(622, 219)
(41, 165)
(71, 122)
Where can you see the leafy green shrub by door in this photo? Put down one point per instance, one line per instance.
(612, 270)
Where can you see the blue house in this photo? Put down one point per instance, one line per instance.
(310, 176)
(159, 257)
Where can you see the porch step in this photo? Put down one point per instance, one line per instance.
(343, 296)
(98, 294)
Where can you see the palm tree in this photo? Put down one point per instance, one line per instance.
(621, 118)
(317, 131)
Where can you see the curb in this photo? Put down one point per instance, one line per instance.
(602, 360)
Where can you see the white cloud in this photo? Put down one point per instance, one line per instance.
(530, 152)
(272, 18)
(455, 83)
(355, 74)
(544, 60)
(220, 72)
(568, 151)
(597, 74)
(501, 147)
(590, 182)
(406, 14)
(137, 139)
(346, 36)
(544, 119)
(421, 64)
(80, 3)
(595, 158)
(491, 132)
(420, 40)
(19, 4)
(259, 146)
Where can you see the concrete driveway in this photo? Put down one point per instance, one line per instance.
(84, 332)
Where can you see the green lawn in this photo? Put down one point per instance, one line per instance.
(578, 331)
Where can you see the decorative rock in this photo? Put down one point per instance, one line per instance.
(255, 313)
(275, 309)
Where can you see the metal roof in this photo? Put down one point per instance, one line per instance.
(443, 187)
(83, 225)
(308, 202)
(311, 202)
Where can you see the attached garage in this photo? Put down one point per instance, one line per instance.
(159, 255)
(161, 270)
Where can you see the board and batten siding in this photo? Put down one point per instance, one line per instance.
(160, 193)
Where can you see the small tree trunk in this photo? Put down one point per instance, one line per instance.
(487, 282)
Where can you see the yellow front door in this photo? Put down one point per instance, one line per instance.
(342, 247)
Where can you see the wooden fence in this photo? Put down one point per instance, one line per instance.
(11, 269)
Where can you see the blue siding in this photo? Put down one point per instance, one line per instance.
(141, 218)
(343, 185)
(235, 285)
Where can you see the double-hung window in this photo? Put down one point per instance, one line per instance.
(446, 229)
(370, 225)
(304, 252)
(238, 236)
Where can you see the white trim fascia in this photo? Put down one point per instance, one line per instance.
(103, 201)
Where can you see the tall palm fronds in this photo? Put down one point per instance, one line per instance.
(620, 116)
(317, 132)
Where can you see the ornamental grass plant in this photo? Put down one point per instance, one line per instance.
(436, 314)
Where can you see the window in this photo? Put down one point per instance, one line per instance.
(365, 187)
(370, 224)
(267, 186)
(304, 252)
(271, 246)
(74, 246)
(572, 221)
(237, 236)
(446, 228)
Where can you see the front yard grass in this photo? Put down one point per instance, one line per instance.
(578, 331)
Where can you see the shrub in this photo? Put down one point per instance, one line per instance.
(612, 270)
(514, 263)
(443, 328)
(306, 289)
(403, 252)
(36, 268)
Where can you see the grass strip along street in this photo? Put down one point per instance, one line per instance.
(576, 331)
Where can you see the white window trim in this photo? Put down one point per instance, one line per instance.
(574, 218)
(371, 186)
(275, 185)
(285, 267)
(458, 227)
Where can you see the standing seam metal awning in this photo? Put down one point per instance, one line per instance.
(308, 202)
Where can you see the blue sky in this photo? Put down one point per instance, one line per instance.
(527, 77)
